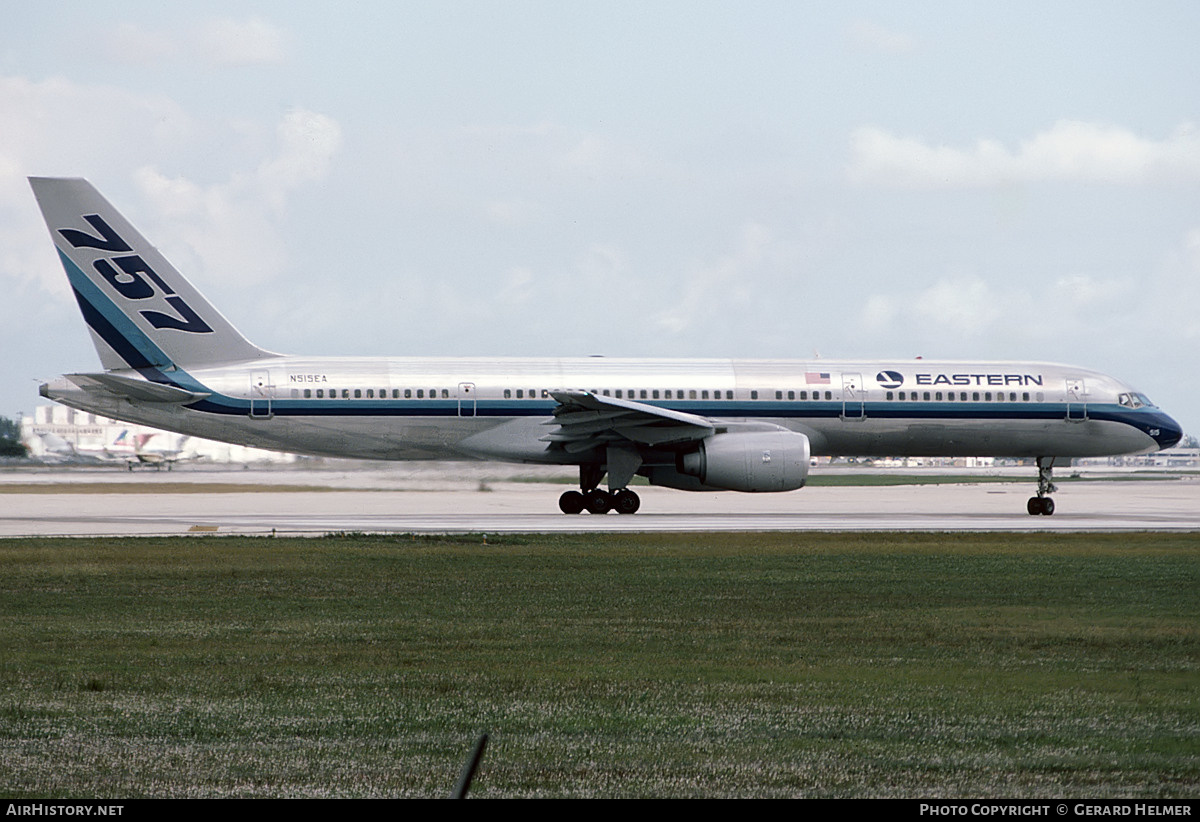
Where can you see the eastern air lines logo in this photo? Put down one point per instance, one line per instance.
(890, 379)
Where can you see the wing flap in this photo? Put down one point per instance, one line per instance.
(585, 420)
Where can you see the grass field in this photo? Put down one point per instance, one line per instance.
(910, 665)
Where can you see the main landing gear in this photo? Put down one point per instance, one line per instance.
(596, 500)
(1042, 504)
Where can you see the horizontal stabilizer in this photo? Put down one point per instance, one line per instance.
(135, 389)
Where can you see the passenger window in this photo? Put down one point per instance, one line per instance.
(408, 393)
(926, 396)
(308, 393)
(320, 393)
(890, 395)
(605, 393)
(420, 393)
(520, 393)
(950, 396)
(655, 393)
(704, 394)
(988, 396)
(692, 394)
(975, 396)
(828, 395)
(357, 393)
(370, 393)
(643, 393)
(903, 395)
(938, 396)
(753, 395)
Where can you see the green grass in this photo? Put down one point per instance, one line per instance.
(625, 665)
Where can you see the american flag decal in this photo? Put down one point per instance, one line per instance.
(816, 378)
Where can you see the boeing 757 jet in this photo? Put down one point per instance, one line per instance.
(171, 361)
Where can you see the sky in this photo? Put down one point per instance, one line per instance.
(872, 180)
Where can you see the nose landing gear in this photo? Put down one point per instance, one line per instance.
(1042, 504)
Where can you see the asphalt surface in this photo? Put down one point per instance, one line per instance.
(442, 499)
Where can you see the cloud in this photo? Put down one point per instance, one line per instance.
(1070, 151)
(968, 307)
(57, 127)
(710, 289)
(230, 228)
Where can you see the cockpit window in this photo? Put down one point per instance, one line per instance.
(1135, 400)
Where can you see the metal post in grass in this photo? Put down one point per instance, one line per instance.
(468, 771)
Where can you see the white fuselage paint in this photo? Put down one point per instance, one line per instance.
(498, 408)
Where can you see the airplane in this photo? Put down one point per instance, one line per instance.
(172, 361)
(158, 456)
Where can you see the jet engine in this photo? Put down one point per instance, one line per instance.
(750, 461)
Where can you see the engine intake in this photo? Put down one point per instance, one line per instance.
(751, 461)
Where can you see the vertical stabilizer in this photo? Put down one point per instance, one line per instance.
(141, 311)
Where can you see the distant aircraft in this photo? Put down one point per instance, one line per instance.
(158, 456)
(172, 361)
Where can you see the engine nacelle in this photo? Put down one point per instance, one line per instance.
(750, 461)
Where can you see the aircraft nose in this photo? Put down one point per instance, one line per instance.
(1165, 431)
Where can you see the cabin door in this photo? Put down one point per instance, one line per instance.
(852, 397)
(261, 393)
(1076, 400)
(466, 399)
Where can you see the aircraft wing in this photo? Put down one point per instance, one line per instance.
(584, 420)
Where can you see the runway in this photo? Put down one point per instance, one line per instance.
(197, 502)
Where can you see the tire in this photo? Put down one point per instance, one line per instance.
(571, 502)
(598, 502)
(626, 502)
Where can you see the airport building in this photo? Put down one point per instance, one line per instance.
(58, 434)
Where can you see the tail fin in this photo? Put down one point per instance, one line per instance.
(141, 312)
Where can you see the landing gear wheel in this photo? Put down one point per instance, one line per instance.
(598, 502)
(571, 502)
(626, 501)
(1040, 505)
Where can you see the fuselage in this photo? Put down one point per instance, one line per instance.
(498, 408)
